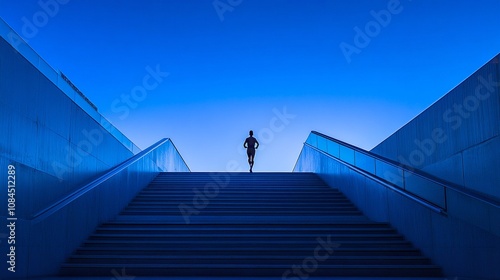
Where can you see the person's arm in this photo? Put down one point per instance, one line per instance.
(245, 145)
(256, 142)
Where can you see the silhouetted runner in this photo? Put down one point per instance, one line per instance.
(251, 147)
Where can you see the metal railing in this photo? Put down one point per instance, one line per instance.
(407, 181)
(413, 183)
(95, 183)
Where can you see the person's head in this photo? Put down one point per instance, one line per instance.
(251, 132)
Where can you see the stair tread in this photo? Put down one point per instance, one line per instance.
(258, 249)
(258, 224)
(226, 235)
(275, 242)
(245, 257)
(286, 266)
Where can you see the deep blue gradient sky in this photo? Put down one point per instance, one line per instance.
(273, 66)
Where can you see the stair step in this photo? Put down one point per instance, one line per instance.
(228, 220)
(248, 203)
(243, 245)
(244, 259)
(250, 270)
(243, 197)
(345, 224)
(246, 236)
(290, 251)
(242, 204)
(246, 225)
(315, 232)
(247, 212)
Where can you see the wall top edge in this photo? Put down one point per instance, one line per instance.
(62, 82)
(494, 60)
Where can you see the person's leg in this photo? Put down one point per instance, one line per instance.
(251, 155)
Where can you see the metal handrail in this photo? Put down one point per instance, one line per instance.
(428, 177)
(385, 160)
(383, 182)
(94, 183)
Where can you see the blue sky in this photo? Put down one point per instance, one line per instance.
(355, 70)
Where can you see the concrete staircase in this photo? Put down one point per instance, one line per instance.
(287, 225)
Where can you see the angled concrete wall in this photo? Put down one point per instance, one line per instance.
(57, 144)
(455, 139)
(465, 243)
(57, 141)
(458, 137)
